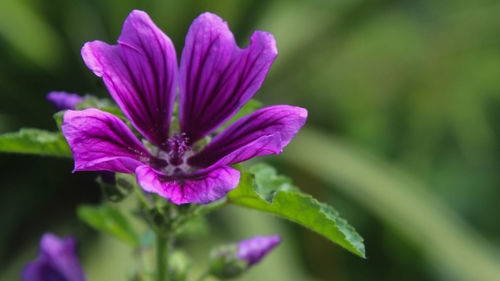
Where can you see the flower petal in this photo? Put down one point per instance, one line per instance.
(201, 189)
(101, 141)
(57, 260)
(41, 270)
(216, 76)
(63, 100)
(140, 73)
(63, 253)
(266, 131)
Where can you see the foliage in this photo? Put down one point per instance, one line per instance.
(110, 220)
(261, 189)
(35, 141)
(413, 83)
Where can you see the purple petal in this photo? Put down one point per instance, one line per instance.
(266, 131)
(41, 270)
(201, 189)
(101, 141)
(140, 73)
(217, 77)
(57, 261)
(254, 249)
(63, 100)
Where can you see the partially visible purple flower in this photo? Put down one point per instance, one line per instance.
(215, 79)
(63, 100)
(254, 249)
(57, 261)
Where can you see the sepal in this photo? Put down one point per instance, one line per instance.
(115, 186)
(224, 264)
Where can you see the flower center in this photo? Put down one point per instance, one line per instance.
(178, 146)
(172, 160)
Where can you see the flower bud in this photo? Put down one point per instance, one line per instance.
(230, 261)
(254, 249)
(63, 100)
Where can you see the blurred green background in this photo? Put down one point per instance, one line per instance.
(402, 136)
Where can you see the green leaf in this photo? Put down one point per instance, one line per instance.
(110, 220)
(267, 182)
(262, 189)
(35, 141)
(58, 117)
(102, 104)
(248, 108)
(93, 102)
(108, 106)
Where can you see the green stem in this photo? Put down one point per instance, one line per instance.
(143, 201)
(161, 258)
(201, 210)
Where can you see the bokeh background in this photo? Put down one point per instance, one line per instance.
(402, 138)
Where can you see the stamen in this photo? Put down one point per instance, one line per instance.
(178, 146)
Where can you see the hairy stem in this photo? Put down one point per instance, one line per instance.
(161, 258)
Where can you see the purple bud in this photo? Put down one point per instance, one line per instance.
(254, 249)
(63, 100)
(57, 261)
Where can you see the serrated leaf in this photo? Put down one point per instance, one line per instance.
(267, 182)
(249, 107)
(110, 220)
(262, 189)
(35, 141)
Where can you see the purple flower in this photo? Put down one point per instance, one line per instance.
(215, 79)
(254, 249)
(63, 100)
(57, 261)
